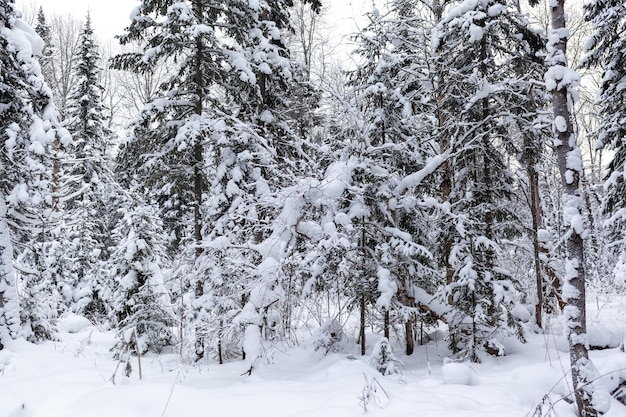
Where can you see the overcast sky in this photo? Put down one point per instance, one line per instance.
(110, 17)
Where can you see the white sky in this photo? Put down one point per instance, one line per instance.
(110, 17)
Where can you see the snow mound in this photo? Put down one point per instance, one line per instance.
(458, 373)
(521, 312)
(604, 338)
(5, 359)
(73, 323)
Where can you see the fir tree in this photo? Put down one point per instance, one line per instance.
(383, 358)
(43, 30)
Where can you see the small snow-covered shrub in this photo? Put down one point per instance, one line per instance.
(383, 358)
(329, 337)
(494, 347)
(74, 323)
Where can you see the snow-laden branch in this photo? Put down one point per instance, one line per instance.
(416, 178)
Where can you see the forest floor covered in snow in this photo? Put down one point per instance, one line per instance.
(72, 378)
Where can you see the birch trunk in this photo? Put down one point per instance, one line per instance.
(562, 82)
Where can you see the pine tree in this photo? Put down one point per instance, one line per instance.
(43, 30)
(225, 107)
(383, 358)
(166, 150)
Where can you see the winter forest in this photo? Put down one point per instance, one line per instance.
(218, 194)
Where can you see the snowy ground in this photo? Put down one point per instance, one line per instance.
(72, 378)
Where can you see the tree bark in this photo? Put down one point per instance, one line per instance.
(386, 323)
(410, 340)
(562, 82)
(535, 209)
(198, 165)
(362, 325)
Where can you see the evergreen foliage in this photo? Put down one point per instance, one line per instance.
(87, 184)
(139, 300)
(383, 358)
(235, 208)
(480, 47)
(43, 29)
(29, 126)
(390, 89)
(606, 49)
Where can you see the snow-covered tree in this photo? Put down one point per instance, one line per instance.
(28, 125)
(9, 304)
(43, 29)
(87, 180)
(213, 140)
(606, 49)
(59, 67)
(383, 358)
(139, 300)
(480, 47)
(395, 113)
(561, 82)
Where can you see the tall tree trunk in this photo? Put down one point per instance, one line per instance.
(410, 339)
(362, 325)
(562, 82)
(445, 167)
(198, 165)
(386, 323)
(535, 210)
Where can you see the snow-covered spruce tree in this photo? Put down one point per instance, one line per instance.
(43, 30)
(530, 127)
(9, 304)
(28, 127)
(383, 358)
(139, 299)
(89, 180)
(223, 102)
(562, 81)
(606, 49)
(480, 46)
(251, 203)
(165, 151)
(388, 87)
